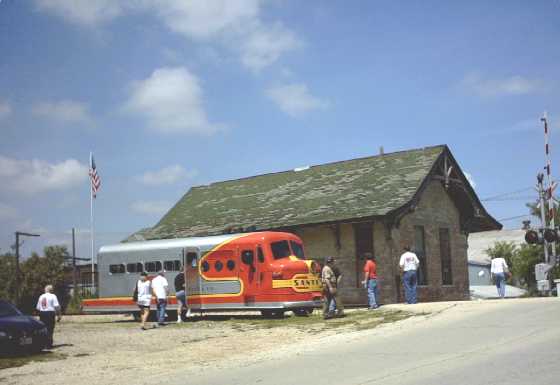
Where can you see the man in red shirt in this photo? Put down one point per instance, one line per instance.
(370, 281)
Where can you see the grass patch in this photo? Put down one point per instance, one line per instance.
(14, 362)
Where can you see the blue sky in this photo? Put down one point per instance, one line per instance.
(171, 94)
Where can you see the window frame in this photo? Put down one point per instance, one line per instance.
(445, 256)
(423, 276)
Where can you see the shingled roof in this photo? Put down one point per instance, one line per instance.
(359, 188)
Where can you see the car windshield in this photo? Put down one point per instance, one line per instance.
(7, 309)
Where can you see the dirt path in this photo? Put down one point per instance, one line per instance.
(113, 349)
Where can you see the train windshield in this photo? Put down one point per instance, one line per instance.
(281, 249)
(297, 248)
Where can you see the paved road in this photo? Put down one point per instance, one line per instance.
(494, 342)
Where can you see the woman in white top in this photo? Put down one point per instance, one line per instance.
(144, 293)
(499, 269)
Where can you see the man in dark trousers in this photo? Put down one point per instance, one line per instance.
(329, 288)
(49, 308)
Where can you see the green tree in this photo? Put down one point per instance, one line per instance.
(7, 277)
(524, 261)
(37, 272)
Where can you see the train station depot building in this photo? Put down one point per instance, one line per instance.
(345, 209)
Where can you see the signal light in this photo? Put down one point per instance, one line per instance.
(551, 235)
(533, 237)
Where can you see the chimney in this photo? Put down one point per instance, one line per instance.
(381, 151)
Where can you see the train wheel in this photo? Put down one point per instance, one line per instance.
(302, 312)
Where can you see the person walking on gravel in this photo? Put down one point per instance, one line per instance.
(143, 294)
(49, 309)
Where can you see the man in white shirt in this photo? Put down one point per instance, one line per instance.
(499, 269)
(48, 307)
(409, 264)
(160, 286)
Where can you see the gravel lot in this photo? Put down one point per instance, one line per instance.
(112, 349)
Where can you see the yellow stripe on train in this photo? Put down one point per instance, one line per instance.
(301, 283)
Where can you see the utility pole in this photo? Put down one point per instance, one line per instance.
(74, 283)
(18, 234)
(551, 185)
(540, 188)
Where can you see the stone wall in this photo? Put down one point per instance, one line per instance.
(434, 211)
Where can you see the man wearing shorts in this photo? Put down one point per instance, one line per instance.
(144, 289)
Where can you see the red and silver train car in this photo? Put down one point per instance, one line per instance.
(264, 271)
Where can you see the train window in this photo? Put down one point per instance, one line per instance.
(230, 265)
(191, 259)
(205, 266)
(116, 269)
(297, 248)
(177, 265)
(134, 267)
(280, 249)
(247, 257)
(172, 265)
(218, 265)
(260, 254)
(153, 267)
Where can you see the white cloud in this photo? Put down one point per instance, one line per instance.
(83, 12)
(171, 100)
(513, 85)
(236, 25)
(205, 19)
(33, 176)
(7, 212)
(64, 111)
(150, 207)
(167, 175)
(5, 109)
(295, 99)
(470, 179)
(265, 44)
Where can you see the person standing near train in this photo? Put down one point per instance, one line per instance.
(160, 287)
(143, 295)
(181, 295)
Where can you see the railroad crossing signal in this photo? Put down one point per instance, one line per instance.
(539, 236)
(534, 237)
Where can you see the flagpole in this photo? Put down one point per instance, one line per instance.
(91, 222)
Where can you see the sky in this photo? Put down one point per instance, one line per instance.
(177, 93)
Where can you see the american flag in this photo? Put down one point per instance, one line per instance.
(95, 179)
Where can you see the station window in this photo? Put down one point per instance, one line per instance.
(297, 248)
(116, 269)
(134, 267)
(280, 249)
(230, 265)
(218, 265)
(153, 267)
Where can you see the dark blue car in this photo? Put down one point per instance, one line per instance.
(20, 333)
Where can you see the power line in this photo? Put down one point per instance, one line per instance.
(495, 197)
(512, 218)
